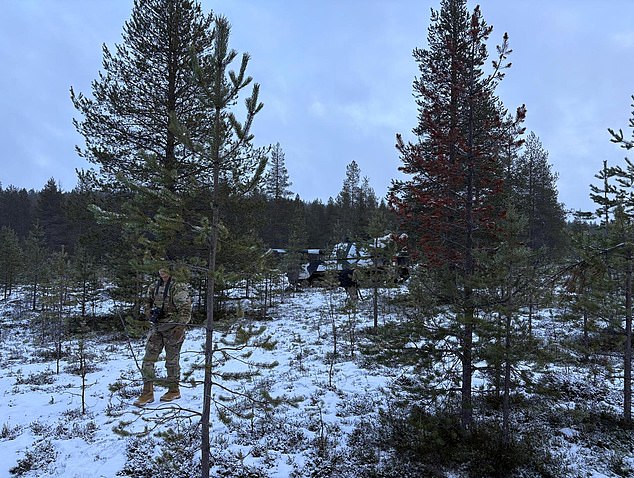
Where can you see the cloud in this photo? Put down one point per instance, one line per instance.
(623, 39)
(317, 108)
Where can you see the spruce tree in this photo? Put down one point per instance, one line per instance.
(10, 260)
(277, 181)
(533, 191)
(34, 257)
(452, 204)
(279, 207)
(355, 201)
(50, 212)
(534, 186)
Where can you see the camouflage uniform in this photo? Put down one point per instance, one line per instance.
(169, 331)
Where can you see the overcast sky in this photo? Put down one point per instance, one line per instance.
(336, 81)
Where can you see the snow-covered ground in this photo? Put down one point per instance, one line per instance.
(311, 367)
(320, 395)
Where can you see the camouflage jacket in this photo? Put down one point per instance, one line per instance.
(177, 308)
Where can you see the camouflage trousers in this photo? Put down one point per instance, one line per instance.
(171, 340)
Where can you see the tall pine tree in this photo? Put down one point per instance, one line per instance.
(146, 82)
(230, 167)
(453, 202)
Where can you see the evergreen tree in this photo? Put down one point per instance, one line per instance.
(503, 335)
(276, 183)
(146, 81)
(381, 252)
(230, 166)
(147, 84)
(276, 219)
(533, 191)
(10, 259)
(619, 138)
(57, 302)
(612, 253)
(589, 291)
(277, 180)
(84, 231)
(50, 214)
(368, 196)
(535, 196)
(85, 273)
(350, 193)
(35, 255)
(16, 210)
(355, 201)
(452, 205)
(318, 223)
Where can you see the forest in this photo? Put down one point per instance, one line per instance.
(506, 351)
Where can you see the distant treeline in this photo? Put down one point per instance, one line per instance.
(65, 220)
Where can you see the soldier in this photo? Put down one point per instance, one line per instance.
(168, 307)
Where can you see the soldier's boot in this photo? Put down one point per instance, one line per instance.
(147, 395)
(173, 393)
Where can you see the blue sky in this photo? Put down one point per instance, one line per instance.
(336, 81)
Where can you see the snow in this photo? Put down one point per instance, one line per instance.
(324, 396)
(39, 406)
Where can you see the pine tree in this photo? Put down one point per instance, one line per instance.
(146, 85)
(57, 303)
(231, 166)
(503, 336)
(452, 205)
(146, 81)
(612, 253)
(618, 137)
(86, 275)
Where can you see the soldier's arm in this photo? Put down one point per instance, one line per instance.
(183, 303)
(149, 299)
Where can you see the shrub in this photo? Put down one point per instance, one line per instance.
(413, 442)
(9, 433)
(40, 458)
(45, 377)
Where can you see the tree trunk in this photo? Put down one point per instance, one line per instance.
(209, 331)
(627, 367)
(211, 269)
(506, 403)
(375, 297)
(466, 412)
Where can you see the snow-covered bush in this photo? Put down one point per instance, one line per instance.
(45, 377)
(39, 458)
(9, 433)
(176, 454)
